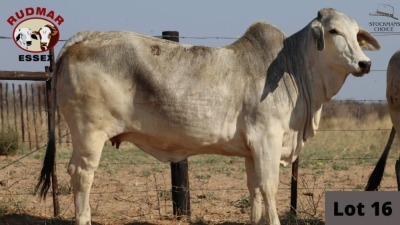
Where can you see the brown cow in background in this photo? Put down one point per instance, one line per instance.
(48, 36)
(393, 100)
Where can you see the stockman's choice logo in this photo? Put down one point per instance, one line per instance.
(384, 10)
(386, 20)
(35, 31)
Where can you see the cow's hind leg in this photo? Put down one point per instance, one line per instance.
(87, 148)
(256, 216)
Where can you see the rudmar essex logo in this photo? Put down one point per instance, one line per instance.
(35, 30)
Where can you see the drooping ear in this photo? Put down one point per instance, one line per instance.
(318, 34)
(18, 37)
(366, 41)
(34, 36)
(36, 33)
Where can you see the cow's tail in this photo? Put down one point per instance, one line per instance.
(376, 175)
(46, 174)
(397, 168)
(47, 170)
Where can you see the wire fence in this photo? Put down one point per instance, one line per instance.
(23, 105)
(137, 187)
(23, 111)
(135, 182)
(141, 190)
(4, 37)
(61, 140)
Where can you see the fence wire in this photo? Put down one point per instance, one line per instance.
(384, 34)
(207, 191)
(200, 179)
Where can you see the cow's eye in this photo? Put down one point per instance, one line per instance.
(333, 31)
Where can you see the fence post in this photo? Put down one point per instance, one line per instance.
(179, 170)
(27, 116)
(34, 116)
(293, 187)
(51, 121)
(21, 112)
(14, 107)
(7, 111)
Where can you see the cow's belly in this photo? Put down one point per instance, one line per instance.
(175, 128)
(168, 149)
(162, 139)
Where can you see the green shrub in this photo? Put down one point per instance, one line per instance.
(8, 142)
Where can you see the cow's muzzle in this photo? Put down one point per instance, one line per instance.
(365, 66)
(28, 43)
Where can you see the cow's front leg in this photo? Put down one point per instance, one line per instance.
(84, 161)
(266, 156)
(256, 216)
(269, 189)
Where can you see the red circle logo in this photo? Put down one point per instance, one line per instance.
(36, 35)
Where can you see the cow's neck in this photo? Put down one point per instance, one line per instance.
(316, 82)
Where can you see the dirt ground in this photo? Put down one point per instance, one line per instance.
(137, 191)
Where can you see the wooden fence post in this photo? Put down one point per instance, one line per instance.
(293, 187)
(27, 116)
(8, 112)
(21, 109)
(51, 121)
(179, 170)
(14, 107)
(40, 102)
(34, 116)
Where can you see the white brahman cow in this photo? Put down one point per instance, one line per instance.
(393, 100)
(259, 98)
(24, 37)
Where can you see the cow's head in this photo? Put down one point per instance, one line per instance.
(343, 42)
(45, 34)
(25, 36)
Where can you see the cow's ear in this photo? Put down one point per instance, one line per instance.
(34, 36)
(54, 32)
(366, 41)
(318, 34)
(18, 37)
